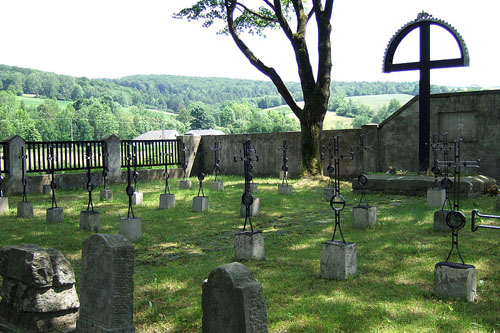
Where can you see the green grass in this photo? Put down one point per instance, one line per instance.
(30, 100)
(376, 101)
(391, 292)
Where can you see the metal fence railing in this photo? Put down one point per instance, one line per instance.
(3, 157)
(68, 155)
(150, 152)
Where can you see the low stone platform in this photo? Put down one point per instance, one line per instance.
(470, 186)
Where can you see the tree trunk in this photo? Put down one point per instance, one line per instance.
(310, 137)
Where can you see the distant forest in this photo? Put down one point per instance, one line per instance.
(120, 106)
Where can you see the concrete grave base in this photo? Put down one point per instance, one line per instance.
(46, 189)
(185, 184)
(55, 215)
(167, 201)
(4, 205)
(200, 204)
(138, 198)
(436, 197)
(455, 281)
(440, 221)
(364, 216)
(249, 245)
(89, 220)
(253, 188)
(497, 205)
(329, 192)
(131, 228)
(338, 260)
(285, 189)
(106, 195)
(282, 174)
(25, 209)
(254, 208)
(217, 186)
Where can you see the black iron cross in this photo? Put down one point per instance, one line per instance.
(90, 185)
(1, 178)
(130, 188)
(216, 149)
(22, 157)
(105, 162)
(136, 173)
(362, 178)
(423, 22)
(284, 147)
(51, 158)
(166, 175)
(330, 168)
(201, 174)
(183, 150)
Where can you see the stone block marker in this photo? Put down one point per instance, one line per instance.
(201, 204)
(232, 301)
(138, 198)
(106, 195)
(439, 223)
(4, 205)
(254, 188)
(436, 197)
(131, 228)
(167, 201)
(455, 281)
(249, 245)
(25, 209)
(107, 285)
(338, 260)
(38, 291)
(89, 220)
(364, 216)
(217, 186)
(329, 192)
(55, 215)
(185, 184)
(46, 190)
(285, 189)
(254, 208)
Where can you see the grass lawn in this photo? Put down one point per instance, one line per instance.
(391, 292)
(30, 100)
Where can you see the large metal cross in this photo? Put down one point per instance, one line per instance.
(423, 22)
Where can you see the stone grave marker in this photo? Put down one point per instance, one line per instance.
(4, 201)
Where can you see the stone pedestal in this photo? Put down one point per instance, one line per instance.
(497, 204)
(25, 209)
(200, 204)
(364, 216)
(55, 215)
(285, 189)
(455, 281)
(167, 201)
(138, 198)
(46, 189)
(89, 220)
(436, 197)
(254, 208)
(106, 195)
(282, 174)
(185, 184)
(4, 205)
(440, 221)
(217, 186)
(338, 260)
(329, 192)
(253, 188)
(249, 245)
(131, 228)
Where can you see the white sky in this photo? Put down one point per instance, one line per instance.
(115, 38)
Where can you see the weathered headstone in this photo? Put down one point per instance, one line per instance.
(38, 291)
(107, 285)
(233, 301)
(439, 223)
(167, 200)
(105, 194)
(455, 281)
(4, 205)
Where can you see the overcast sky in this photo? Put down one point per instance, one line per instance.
(115, 38)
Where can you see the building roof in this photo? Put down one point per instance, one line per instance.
(203, 132)
(158, 135)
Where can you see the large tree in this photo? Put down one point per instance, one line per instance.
(292, 17)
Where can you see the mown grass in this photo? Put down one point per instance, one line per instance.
(391, 292)
(30, 100)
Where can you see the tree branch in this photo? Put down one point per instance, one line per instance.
(281, 19)
(271, 19)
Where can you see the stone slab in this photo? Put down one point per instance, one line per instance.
(455, 281)
(167, 201)
(249, 245)
(364, 216)
(285, 189)
(233, 301)
(46, 189)
(106, 195)
(4, 205)
(338, 260)
(254, 188)
(185, 184)
(328, 193)
(201, 204)
(25, 209)
(138, 198)
(131, 228)
(254, 208)
(217, 186)
(436, 197)
(89, 220)
(55, 215)
(439, 223)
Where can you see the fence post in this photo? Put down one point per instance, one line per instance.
(112, 143)
(13, 164)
